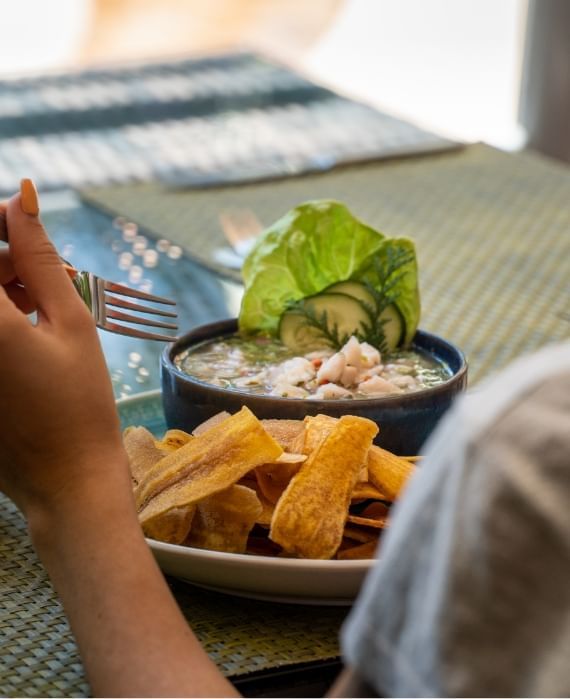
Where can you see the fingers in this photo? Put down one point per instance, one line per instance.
(11, 318)
(16, 293)
(7, 271)
(6, 268)
(34, 258)
(3, 229)
(20, 298)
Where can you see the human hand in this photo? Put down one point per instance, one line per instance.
(8, 277)
(60, 440)
(63, 463)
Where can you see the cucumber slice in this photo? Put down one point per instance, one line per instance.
(394, 325)
(297, 333)
(354, 289)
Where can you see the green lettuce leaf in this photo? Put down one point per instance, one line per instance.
(317, 244)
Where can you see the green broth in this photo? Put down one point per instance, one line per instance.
(247, 364)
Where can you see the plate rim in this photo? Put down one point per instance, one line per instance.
(357, 565)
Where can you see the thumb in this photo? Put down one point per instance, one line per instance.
(33, 256)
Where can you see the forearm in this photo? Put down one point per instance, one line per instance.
(131, 635)
(350, 684)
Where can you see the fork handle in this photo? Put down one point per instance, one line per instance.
(71, 271)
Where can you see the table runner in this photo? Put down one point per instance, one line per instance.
(492, 231)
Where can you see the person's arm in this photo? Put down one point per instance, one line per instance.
(350, 683)
(131, 635)
(63, 464)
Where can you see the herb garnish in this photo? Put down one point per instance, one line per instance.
(320, 322)
(388, 273)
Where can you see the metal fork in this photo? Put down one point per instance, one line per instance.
(103, 297)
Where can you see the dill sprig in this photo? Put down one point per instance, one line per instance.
(330, 333)
(388, 273)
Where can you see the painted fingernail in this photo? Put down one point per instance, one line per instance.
(29, 197)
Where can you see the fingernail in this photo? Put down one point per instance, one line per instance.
(29, 197)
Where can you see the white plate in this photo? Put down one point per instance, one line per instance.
(260, 577)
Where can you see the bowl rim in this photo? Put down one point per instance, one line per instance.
(230, 325)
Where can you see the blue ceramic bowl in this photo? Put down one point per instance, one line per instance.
(405, 420)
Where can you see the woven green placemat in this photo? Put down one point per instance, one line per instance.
(39, 658)
(492, 231)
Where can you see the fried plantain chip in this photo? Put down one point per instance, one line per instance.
(207, 464)
(172, 526)
(141, 450)
(374, 515)
(366, 491)
(366, 550)
(285, 432)
(172, 440)
(375, 510)
(291, 458)
(368, 521)
(317, 428)
(388, 472)
(274, 478)
(259, 544)
(267, 507)
(223, 521)
(310, 515)
(359, 534)
(210, 422)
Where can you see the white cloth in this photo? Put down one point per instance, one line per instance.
(471, 593)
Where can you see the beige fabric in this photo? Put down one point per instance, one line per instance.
(471, 596)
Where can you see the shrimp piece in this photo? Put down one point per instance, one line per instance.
(365, 374)
(332, 369)
(330, 390)
(370, 356)
(294, 371)
(252, 380)
(352, 351)
(348, 376)
(319, 354)
(377, 385)
(287, 390)
(404, 381)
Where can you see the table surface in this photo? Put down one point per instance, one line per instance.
(493, 232)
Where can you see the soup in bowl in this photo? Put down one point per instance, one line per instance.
(213, 368)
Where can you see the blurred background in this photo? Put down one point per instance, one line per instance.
(454, 66)
(152, 150)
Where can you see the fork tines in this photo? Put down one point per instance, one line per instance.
(135, 293)
(113, 299)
